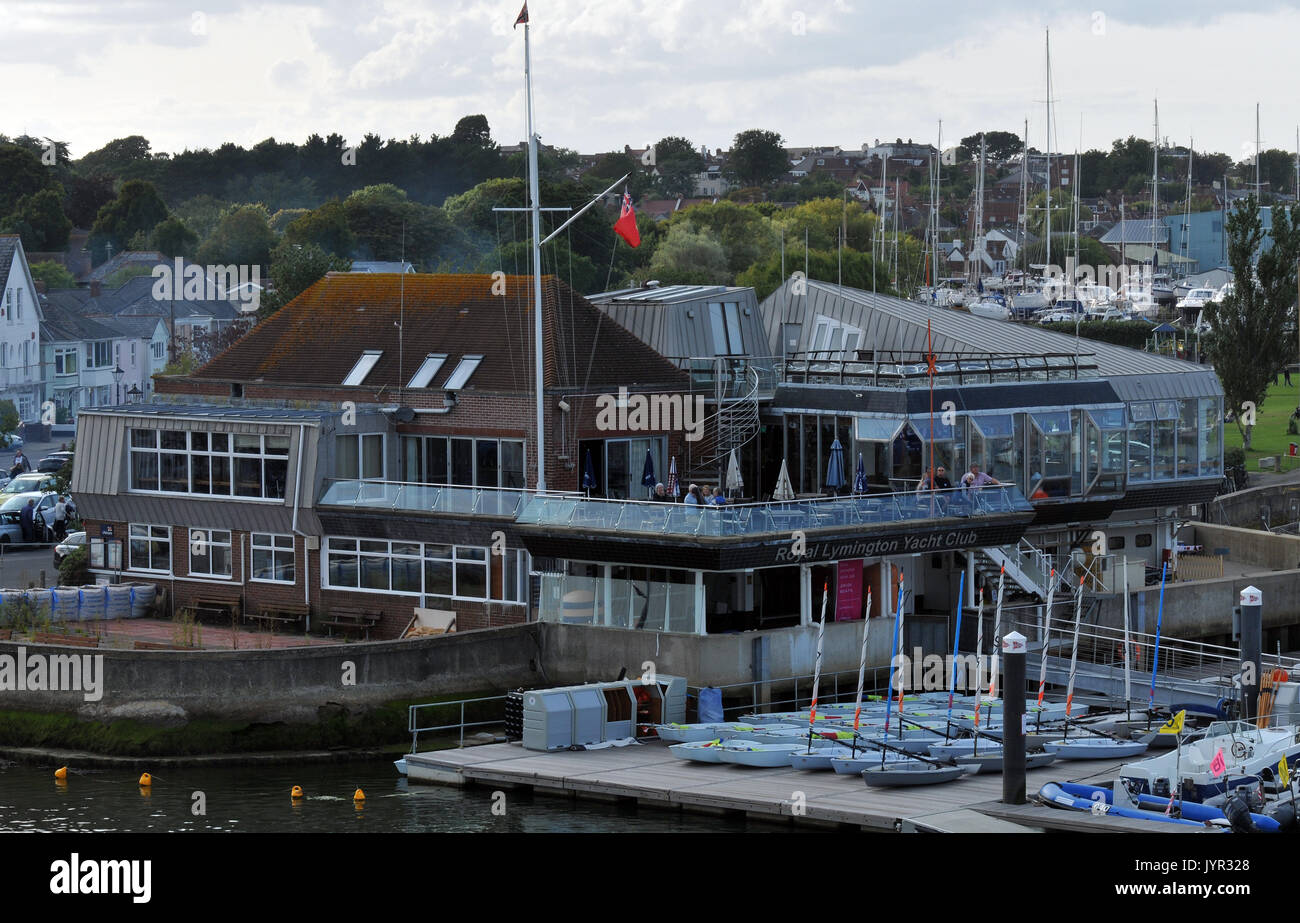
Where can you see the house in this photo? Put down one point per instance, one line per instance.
(140, 260)
(20, 344)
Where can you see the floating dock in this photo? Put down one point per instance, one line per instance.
(650, 775)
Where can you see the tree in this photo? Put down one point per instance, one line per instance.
(127, 157)
(86, 196)
(690, 257)
(53, 274)
(242, 238)
(39, 220)
(388, 226)
(326, 227)
(173, 237)
(826, 265)
(294, 269)
(677, 161)
(746, 236)
(1062, 214)
(21, 175)
(998, 146)
(138, 207)
(1246, 343)
(758, 157)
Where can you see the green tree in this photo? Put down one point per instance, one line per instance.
(39, 220)
(53, 274)
(823, 265)
(243, 238)
(326, 227)
(138, 207)
(86, 196)
(9, 418)
(294, 269)
(202, 214)
(758, 157)
(126, 158)
(999, 146)
(21, 175)
(823, 219)
(387, 225)
(1246, 341)
(173, 237)
(677, 161)
(690, 257)
(1062, 214)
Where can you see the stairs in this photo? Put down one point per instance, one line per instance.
(1027, 568)
(731, 426)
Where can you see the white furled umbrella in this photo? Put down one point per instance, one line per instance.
(734, 480)
(783, 489)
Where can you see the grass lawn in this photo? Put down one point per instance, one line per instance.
(1270, 436)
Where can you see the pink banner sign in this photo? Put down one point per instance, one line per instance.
(848, 590)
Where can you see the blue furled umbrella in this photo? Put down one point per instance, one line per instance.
(860, 479)
(589, 475)
(835, 469)
(648, 472)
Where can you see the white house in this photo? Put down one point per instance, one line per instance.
(20, 320)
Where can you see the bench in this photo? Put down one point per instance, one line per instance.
(48, 637)
(215, 608)
(349, 618)
(160, 646)
(288, 615)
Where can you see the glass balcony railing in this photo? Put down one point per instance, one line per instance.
(636, 517)
(424, 498)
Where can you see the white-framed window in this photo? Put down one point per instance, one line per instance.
(9, 305)
(246, 465)
(724, 321)
(359, 456)
(18, 304)
(65, 360)
(467, 572)
(159, 349)
(99, 354)
(832, 337)
(26, 407)
(210, 553)
(273, 558)
(133, 352)
(150, 548)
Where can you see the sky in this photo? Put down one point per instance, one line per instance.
(609, 73)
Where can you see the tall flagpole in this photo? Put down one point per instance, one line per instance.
(536, 205)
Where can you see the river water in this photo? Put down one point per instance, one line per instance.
(257, 800)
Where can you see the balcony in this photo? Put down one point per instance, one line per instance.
(401, 497)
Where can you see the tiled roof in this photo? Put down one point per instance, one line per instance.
(8, 244)
(64, 325)
(122, 260)
(135, 298)
(319, 336)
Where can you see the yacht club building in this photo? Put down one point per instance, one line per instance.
(372, 445)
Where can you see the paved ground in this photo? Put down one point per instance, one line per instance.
(33, 565)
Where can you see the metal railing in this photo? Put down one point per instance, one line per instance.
(416, 729)
(424, 498)
(897, 369)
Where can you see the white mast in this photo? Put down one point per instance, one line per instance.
(1186, 241)
(978, 249)
(536, 205)
(1024, 204)
(1048, 185)
(1259, 189)
(1155, 190)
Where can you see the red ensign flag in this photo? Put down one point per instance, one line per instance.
(625, 226)
(523, 15)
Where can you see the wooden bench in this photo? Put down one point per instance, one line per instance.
(215, 608)
(48, 637)
(288, 615)
(349, 618)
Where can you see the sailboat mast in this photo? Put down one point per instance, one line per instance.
(536, 206)
(1187, 207)
(1024, 202)
(1155, 189)
(979, 211)
(1048, 185)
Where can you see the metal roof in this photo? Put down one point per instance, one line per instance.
(666, 294)
(211, 411)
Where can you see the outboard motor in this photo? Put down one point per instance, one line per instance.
(1238, 813)
(1285, 815)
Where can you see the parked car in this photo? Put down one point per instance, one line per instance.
(10, 441)
(54, 462)
(74, 541)
(29, 481)
(42, 519)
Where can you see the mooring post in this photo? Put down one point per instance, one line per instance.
(1252, 644)
(1013, 718)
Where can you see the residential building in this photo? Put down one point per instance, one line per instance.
(20, 344)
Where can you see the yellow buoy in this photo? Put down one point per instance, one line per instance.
(145, 780)
(296, 792)
(358, 795)
(61, 772)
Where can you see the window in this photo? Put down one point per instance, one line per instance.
(133, 352)
(428, 368)
(462, 372)
(210, 552)
(1143, 540)
(65, 360)
(1211, 436)
(359, 456)
(1115, 543)
(158, 349)
(724, 322)
(99, 354)
(453, 571)
(1139, 442)
(273, 558)
(150, 548)
(248, 465)
(368, 360)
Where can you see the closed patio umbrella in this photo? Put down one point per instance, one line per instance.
(648, 473)
(835, 479)
(588, 476)
(860, 479)
(734, 480)
(783, 489)
(674, 490)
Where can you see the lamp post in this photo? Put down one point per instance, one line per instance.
(133, 394)
(118, 372)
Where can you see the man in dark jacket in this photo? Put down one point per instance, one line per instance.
(26, 518)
